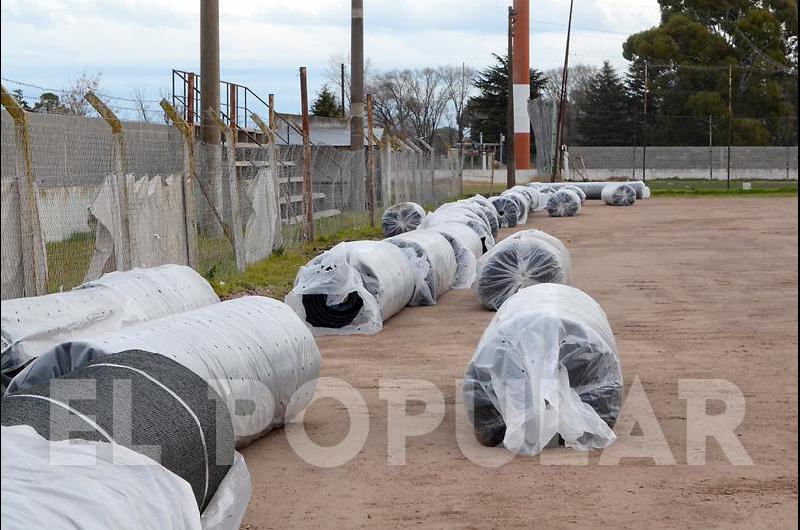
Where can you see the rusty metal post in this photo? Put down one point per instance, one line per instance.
(34, 256)
(373, 197)
(122, 256)
(307, 182)
(271, 117)
(189, 100)
(189, 216)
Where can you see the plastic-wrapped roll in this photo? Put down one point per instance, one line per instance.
(32, 326)
(579, 192)
(253, 351)
(467, 249)
(89, 485)
(618, 195)
(524, 258)
(507, 211)
(352, 288)
(144, 401)
(402, 218)
(523, 204)
(594, 190)
(489, 210)
(531, 194)
(466, 214)
(546, 365)
(564, 203)
(433, 261)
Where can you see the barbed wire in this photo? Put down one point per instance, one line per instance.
(62, 91)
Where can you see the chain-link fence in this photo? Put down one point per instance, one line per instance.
(142, 195)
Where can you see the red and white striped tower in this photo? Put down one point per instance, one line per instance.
(522, 84)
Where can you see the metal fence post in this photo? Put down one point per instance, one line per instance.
(308, 192)
(373, 197)
(122, 255)
(237, 232)
(34, 256)
(433, 167)
(189, 215)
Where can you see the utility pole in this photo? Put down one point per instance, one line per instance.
(522, 85)
(730, 121)
(357, 75)
(644, 125)
(343, 112)
(562, 104)
(372, 198)
(209, 68)
(209, 99)
(511, 173)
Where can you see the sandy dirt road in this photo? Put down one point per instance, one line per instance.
(693, 288)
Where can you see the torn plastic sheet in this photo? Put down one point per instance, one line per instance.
(467, 249)
(524, 258)
(507, 211)
(618, 195)
(253, 351)
(546, 365)
(564, 203)
(32, 326)
(97, 485)
(433, 261)
(402, 218)
(352, 288)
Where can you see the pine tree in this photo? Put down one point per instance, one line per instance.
(326, 104)
(604, 113)
(487, 111)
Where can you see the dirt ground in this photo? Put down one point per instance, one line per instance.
(693, 288)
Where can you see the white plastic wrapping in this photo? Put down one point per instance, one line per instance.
(467, 214)
(564, 203)
(467, 249)
(227, 507)
(578, 191)
(88, 485)
(436, 270)
(531, 194)
(489, 210)
(253, 351)
(378, 273)
(547, 364)
(402, 218)
(593, 190)
(524, 258)
(507, 211)
(523, 204)
(31, 326)
(618, 194)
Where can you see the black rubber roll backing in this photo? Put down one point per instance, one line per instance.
(335, 316)
(507, 211)
(618, 195)
(144, 401)
(564, 203)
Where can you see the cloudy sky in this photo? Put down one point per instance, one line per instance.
(136, 43)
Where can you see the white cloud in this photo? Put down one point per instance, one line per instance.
(138, 42)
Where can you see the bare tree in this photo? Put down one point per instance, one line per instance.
(410, 102)
(74, 95)
(141, 104)
(579, 76)
(458, 87)
(333, 75)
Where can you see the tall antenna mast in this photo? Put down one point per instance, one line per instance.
(562, 104)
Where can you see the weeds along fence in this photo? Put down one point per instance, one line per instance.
(81, 196)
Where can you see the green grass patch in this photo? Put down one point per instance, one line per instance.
(664, 187)
(68, 261)
(274, 276)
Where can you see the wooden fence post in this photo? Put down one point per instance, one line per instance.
(373, 196)
(308, 191)
(237, 232)
(122, 255)
(189, 214)
(34, 256)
